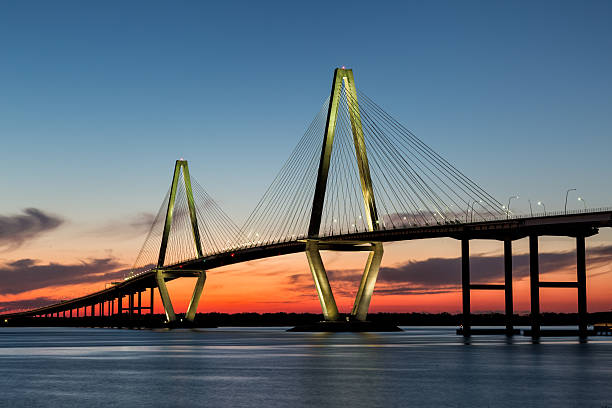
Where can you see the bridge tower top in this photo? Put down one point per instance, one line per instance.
(180, 165)
(343, 77)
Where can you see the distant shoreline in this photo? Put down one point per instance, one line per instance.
(282, 319)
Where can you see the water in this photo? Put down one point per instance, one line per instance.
(267, 367)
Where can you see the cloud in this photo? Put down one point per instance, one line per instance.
(16, 229)
(443, 275)
(26, 274)
(26, 304)
(135, 225)
(436, 272)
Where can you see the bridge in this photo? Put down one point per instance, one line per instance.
(356, 179)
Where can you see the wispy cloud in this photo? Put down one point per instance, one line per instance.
(16, 229)
(26, 304)
(137, 224)
(26, 274)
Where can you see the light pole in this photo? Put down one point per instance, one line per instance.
(472, 212)
(508, 207)
(542, 204)
(566, 194)
(583, 202)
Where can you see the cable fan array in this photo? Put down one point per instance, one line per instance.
(283, 213)
(413, 185)
(217, 231)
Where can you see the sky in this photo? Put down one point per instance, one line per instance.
(98, 99)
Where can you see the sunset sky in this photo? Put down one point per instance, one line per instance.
(97, 101)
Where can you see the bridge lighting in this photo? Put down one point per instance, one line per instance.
(583, 202)
(542, 204)
(508, 208)
(566, 194)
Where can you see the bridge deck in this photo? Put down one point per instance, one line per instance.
(575, 224)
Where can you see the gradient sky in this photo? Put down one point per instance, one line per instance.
(97, 100)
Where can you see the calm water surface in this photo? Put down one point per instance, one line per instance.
(249, 367)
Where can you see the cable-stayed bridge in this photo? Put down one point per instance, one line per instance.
(356, 179)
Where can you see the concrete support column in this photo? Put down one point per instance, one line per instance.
(534, 280)
(70, 313)
(508, 286)
(120, 305)
(77, 312)
(195, 298)
(152, 297)
(131, 304)
(165, 296)
(326, 296)
(465, 285)
(581, 280)
(139, 302)
(368, 281)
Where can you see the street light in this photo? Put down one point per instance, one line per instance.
(508, 207)
(472, 212)
(583, 202)
(566, 194)
(542, 204)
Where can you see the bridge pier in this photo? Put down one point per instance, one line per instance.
(581, 283)
(363, 297)
(509, 302)
(368, 281)
(195, 298)
(165, 296)
(324, 291)
(139, 302)
(467, 287)
(534, 284)
(152, 297)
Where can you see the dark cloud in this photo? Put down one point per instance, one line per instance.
(135, 225)
(440, 272)
(443, 275)
(27, 274)
(16, 229)
(142, 221)
(26, 304)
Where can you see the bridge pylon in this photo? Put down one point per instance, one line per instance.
(180, 166)
(343, 77)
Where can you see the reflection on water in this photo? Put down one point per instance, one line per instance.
(269, 367)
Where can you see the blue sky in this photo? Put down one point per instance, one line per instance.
(99, 99)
